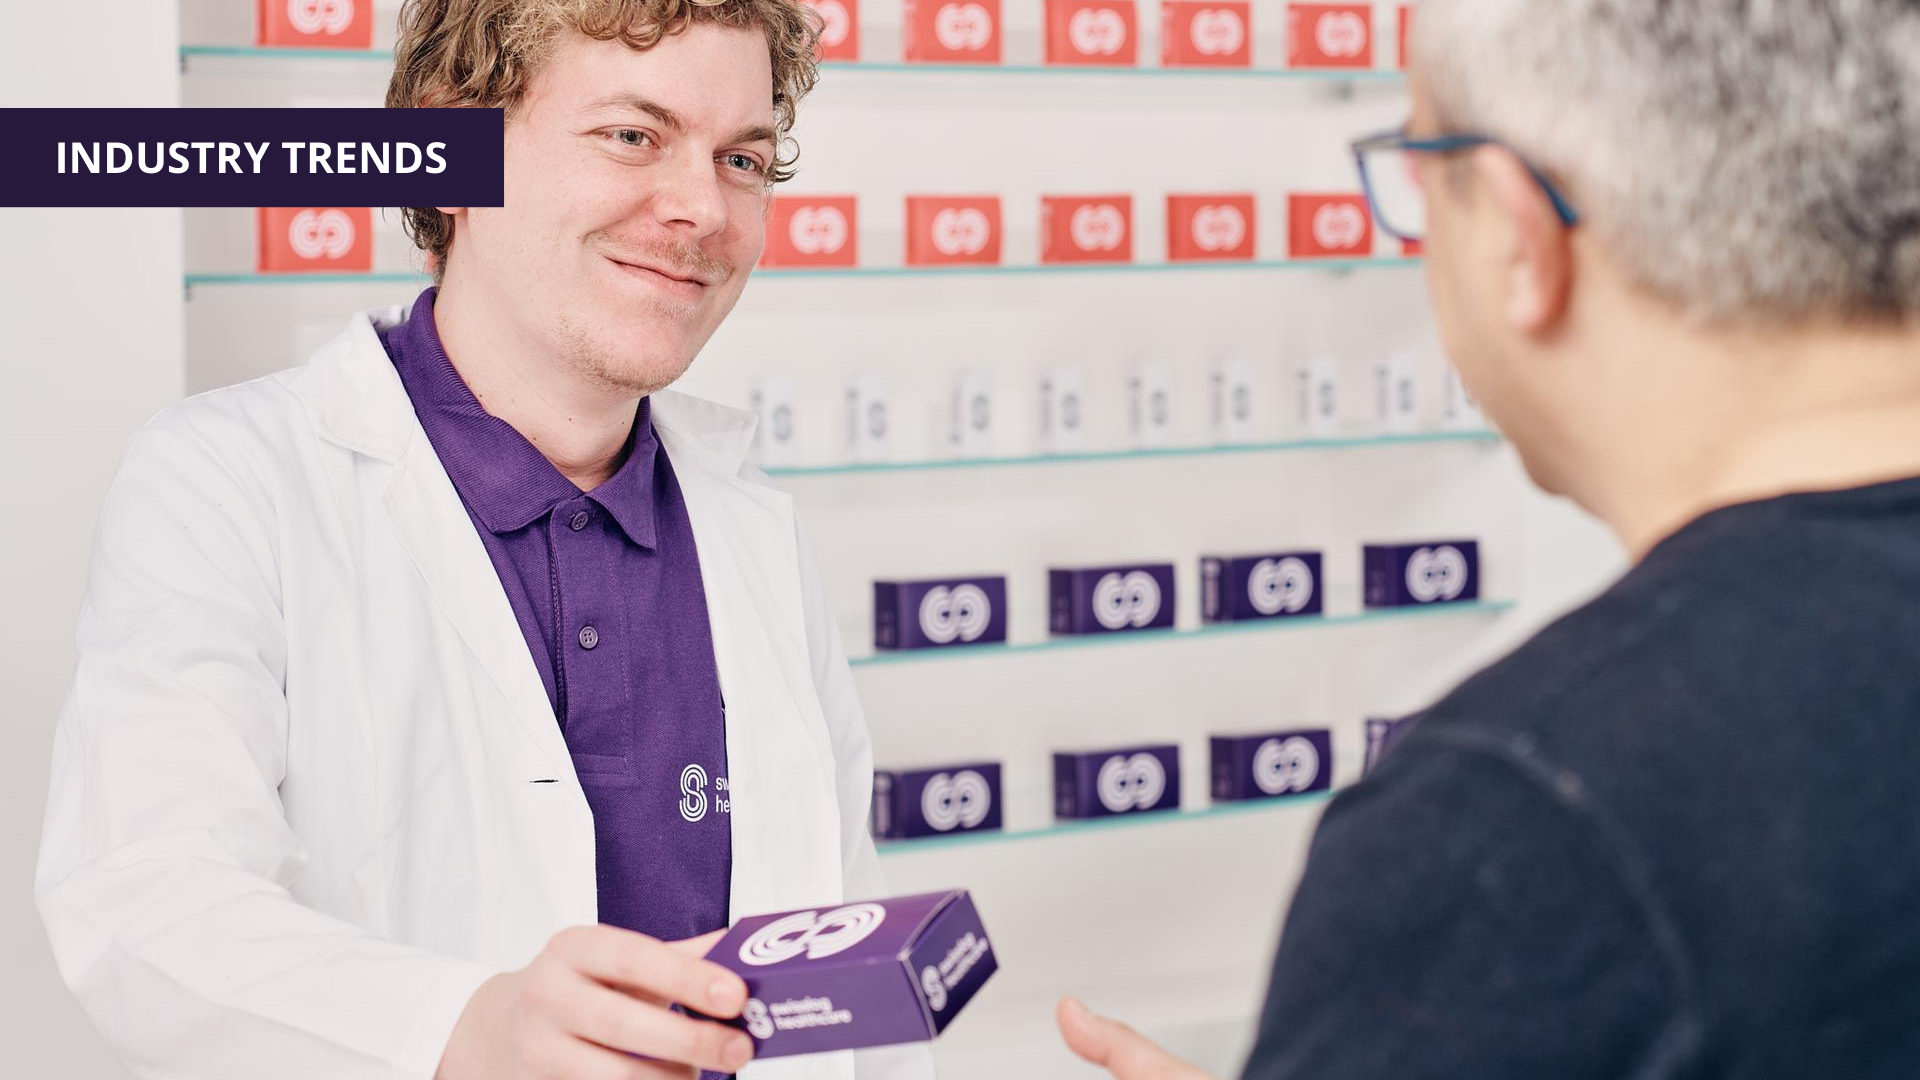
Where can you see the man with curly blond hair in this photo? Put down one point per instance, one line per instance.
(439, 700)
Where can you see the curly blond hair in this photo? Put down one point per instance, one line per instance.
(484, 53)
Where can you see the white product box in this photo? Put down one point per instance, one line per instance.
(776, 440)
(1396, 394)
(870, 421)
(1461, 412)
(1063, 410)
(970, 418)
(1317, 398)
(1236, 410)
(1152, 406)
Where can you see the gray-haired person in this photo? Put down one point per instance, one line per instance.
(1674, 246)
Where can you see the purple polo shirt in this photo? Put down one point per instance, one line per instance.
(606, 587)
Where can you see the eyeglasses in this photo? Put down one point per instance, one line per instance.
(1391, 179)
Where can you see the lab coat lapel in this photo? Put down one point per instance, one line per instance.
(780, 766)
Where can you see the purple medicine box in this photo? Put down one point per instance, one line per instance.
(1111, 599)
(1381, 735)
(1103, 783)
(1270, 766)
(1416, 575)
(1260, 587)
(939, 614)
(909, 804)
(868, 974)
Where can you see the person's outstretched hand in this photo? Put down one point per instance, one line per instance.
(1117, 1048)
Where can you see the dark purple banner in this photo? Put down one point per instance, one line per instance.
(253, 157)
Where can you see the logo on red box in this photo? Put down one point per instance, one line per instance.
(1195, 33)
(1082, 229)
(316, 239)
(1205, 227)
(952, 31)
(324, 24)
(811, 231)
(839, 28)
(1330, 36)
(943, 231)
(1329, 226)
(1092, 32)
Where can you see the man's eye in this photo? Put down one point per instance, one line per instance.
(743, 163)
(632, 137)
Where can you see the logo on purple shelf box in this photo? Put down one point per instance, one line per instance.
(1381, 737)
(874, 973)
(939, 614)
(1276, 586)
(936, 802)
(1111, 599)
(1125, 781)
(1271, 766)
(1417, 575)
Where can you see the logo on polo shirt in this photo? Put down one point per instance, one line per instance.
(812, 934)
(694, 798)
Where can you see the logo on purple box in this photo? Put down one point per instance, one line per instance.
(1111, 599)
(876, 973)
(1416, 575)
(1382, 735)
(1271, 766)
(1278, 586)
(939, 614)
(908, 805)
(1134, 780)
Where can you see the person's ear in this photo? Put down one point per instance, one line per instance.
(1538, 260)
(450, 211)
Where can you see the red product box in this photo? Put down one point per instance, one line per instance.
(1329, 35)
(1210, 227)
(1406, 27)
(812, 230)
(316, 24)
(315, 239)
(953, 231)
(952, 31)
(1329, 226)
(839, 28)
(1086, 228)
(1099, 32)
(1198, 33)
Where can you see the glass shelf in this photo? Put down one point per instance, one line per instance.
(1357, 442)
(411, 278)
(1345, 75)
(1150, 637)
(1121, 821)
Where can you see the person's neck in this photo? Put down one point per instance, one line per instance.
(579, 423)
(1734, 421)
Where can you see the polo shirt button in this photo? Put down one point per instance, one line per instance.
(589, 637)
(579, 521)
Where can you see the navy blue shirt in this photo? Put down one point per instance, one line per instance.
(607, 590)
(1675, 835)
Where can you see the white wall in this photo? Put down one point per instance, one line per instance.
(1169, 925)
(91, 302)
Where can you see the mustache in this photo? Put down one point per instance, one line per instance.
(677, 260)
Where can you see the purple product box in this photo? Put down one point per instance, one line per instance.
(1416, 575)
(909, 804)
(1271, 766)
(939, 614)
(1278, 586)
(876, 973)
(1111, 599)
(1381, 735)
(1103, 783)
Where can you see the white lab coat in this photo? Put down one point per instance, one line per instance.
(308, 790)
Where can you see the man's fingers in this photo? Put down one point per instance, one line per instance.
(651, 969)
(577, 1060)
(1117, 1048)
(697, 946)
(622, 1022)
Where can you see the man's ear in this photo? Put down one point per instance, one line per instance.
(1539, 256)
(450, 211)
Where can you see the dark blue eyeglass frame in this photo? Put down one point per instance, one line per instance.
(1446, 144)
